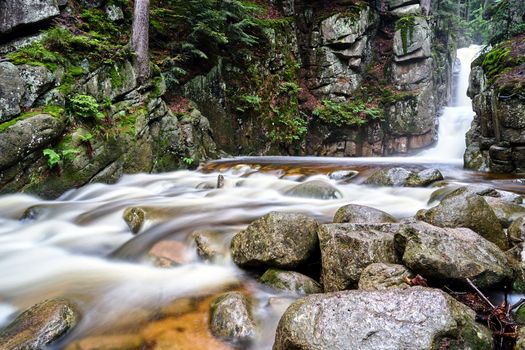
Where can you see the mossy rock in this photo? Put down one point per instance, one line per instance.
(290, 281)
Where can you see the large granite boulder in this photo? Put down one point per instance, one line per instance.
(282, 240)
(40, 325)
(354, 213)
(346, 249)
(414, 318)
(462, 209)
(12, 90)
(18, 13)
(451, 255)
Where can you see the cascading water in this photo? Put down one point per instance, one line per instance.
(79, 246)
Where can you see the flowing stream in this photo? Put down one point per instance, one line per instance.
(79, 246)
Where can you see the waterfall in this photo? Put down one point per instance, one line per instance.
(455, 119)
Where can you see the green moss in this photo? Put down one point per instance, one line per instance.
(351, 113)
(406, 27)
(54, 111)
(36, 54)
(495, 61)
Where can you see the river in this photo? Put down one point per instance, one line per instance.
(79, 246)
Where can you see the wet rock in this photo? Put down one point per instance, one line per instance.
(461, 209)
(169, 253)
(516, 230)
(346, 249)
(12, 90)
(40, 325)
(389, 177)
(231, 318)
(381, 276)
(343, 175)
(209, 244)
(108, 342)
(505, 212)
(354, 213)
(290, 281)
(179, 307)
(414, 318)
(315, 189)
(17, 13)
(135, 218)
(424, 178)
(451, 254)
(282, 240)
(27, 136)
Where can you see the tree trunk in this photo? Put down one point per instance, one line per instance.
(140, 39)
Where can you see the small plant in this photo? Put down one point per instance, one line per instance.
(188, 161)
(70, 153)
(289, 88)
(347, 113)
(53, 158)
(406, 26)
(85, 106)
(85, 138)
(250, 102)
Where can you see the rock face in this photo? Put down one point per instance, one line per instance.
(354, 213)
(381, 276)
(462, 209)
(281, 240)
(231, 318)
(12, 91)
(415, 318)
(451, 254)
(290, 281)
(346, 249)
(15, 13)
(40, 325)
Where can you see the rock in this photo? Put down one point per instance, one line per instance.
(413, 9)
(12, 90)
(290, 281)
(520, 343)
(40, 325)
(381, 276)
(37, 80)
(392, 4)
(134, 217)
(108, 342)
(409, 74)
(114, 13)
(169, 253)
(231, 318)
(209, 244)
(344, 29)
(461, 209)
(505, 212)
(27, 136)
(343, 175)
(315, 189)
(111, 82)
(424, 178)
(516, 230)
(414, 318)
(389, 177)
(282, 240)
(354, 213)
(414, 42)
(18, 13)
(451, 254)
(346, 249)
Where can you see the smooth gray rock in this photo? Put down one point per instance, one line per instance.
(315, 189)
(414, 318)
(290, 281)
(282, 240)
(17, 13)
(27, 136)
(451, 254)
(347, 249)
(354, 213)
(40, 325)
(381, 276)
(12, 90)
(462, 209)
(231, 318)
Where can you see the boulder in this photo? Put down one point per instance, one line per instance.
(290, 281)
(381, 276)
(27, 136)
(134, 217)
(37, 81)
(451, 254)
(389, 177)
(346, 249)
(111, 82)
(40, 325)
(15, 14)
(315, 189)
(506, 212)
(414, 318)
(282, 240)
(516, 230)
(344, 28)
(231, 318)
(424, 178)
(343, 175)
(209, 244)
(461, 209)
(414, 42)
(12, 90)
(409, 74)
(354, 213)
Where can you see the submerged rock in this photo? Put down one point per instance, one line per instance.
(231, 318)
(383, 276)
(346, 249)
(354, 213)
(282, 240)
(461, 209)
(451, 254)
(414, 318)
(109, 342)
(290, 281)
(209, 244)
(315, 189)
(40, 325)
